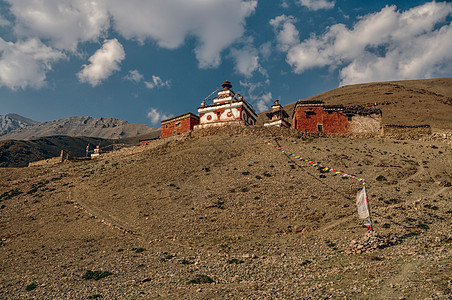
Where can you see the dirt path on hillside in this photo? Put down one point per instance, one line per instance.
(106, 219)
(391, 290)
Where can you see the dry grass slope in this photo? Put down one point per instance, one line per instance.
(232, 210)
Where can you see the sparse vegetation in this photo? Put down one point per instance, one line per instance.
(200, 278)
(381, 178)
(10, 194)
(219, 203)
(96, 275)
(31, 287)
(376, 258)
(423, 226)
(138, 250)
(391, 201)
(168, 257)
(36, 186)
(186, 262)
(305, 262)
(433, 207)
(235, 261)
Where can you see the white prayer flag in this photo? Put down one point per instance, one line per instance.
(362, 204)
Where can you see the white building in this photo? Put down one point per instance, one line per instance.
(227, 108)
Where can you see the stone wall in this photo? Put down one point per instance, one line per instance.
(262, 131)
(406, 132)
(64, 156)
(366, 125)
(50, 161)
(439, 135)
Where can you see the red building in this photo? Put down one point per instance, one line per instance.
(315, 116)
(179, 124)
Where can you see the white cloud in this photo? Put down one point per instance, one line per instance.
(157, 82)
(25, 63)
(317, 4)
(4, 21)
(64, 22)
(386, 45)
(103, 63)
(265, 50)
(137, 77)
(134, 76)
(155, 116)
(284, 4)
(256, 96)
(287, 35)
(246, 60)
(215, 24)
(263, 102)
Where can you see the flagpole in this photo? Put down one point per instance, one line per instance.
(371, 227)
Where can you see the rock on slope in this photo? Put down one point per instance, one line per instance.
(11, 122)
(107, 128)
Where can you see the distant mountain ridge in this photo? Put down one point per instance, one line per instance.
(11, 122)
(106, 128)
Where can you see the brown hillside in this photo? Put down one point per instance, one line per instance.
(233, 209)
(411, 102)
(18, 153)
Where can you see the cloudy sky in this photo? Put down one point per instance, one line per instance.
(144, 60)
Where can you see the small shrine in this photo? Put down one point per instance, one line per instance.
(277, 117)
(96, 153)
(227, 108)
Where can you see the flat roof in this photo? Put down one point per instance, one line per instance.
(182, 116)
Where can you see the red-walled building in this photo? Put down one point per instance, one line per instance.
(179, 124)
(315, 116)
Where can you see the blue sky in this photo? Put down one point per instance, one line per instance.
(142, 61)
